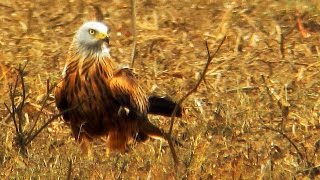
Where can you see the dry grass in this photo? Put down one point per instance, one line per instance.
(256, 115)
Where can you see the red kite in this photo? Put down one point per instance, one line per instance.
(99, 99)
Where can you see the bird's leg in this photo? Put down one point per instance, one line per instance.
(83, 140)
(117, 141)
(107, 153)
(86, 146)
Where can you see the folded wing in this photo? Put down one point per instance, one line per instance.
(127, 92)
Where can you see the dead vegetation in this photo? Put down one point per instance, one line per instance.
(255, 115)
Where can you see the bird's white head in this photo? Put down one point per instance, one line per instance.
(92, 38)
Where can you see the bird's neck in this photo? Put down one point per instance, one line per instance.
(88, 63)
(98, 51)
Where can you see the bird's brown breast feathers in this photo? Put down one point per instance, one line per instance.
(99, 90)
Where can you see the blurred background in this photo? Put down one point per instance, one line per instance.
(256, 115)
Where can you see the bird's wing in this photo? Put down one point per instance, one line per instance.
(127, 92)
(61, 100)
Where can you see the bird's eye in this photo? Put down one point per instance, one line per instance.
(92, 31)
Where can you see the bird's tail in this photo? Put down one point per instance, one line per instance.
(163, 106)
(147, 129)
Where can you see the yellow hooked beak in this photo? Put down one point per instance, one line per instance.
(103, 36)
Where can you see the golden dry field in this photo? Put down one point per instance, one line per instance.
(254, 116)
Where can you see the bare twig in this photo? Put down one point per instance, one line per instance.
(134, 31)
(12, 93)
(65, 23)
(16, 110)
(30, 13)
(98, 13)
(23, 88)
(7, 6)
(69, 170)
(281, 46)
(194, 89)
(286, 137)
(12, 115)
(173, 152)
(267, 88)
(35, 134)
(44, 102)
(174, 155)
(18, 99)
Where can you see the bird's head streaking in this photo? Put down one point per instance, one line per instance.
(92, 39)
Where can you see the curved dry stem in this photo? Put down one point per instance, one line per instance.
(134, 32)
(194, 89)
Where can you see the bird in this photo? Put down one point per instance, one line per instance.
(98, 99)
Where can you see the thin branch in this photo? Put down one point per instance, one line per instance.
(285, 136)
(98, 12)
(134, 31)
(69, 170)
(194, 89)
(35, 134)
(16, 110)
(168, 135)
(12, 92)
(49, 90)
(266, 88)
(11, 113)
(173, 152)
(23, 88)
(281, 46)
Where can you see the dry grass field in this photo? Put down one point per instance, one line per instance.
(255, 115)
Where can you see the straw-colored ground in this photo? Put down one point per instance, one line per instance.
(254, 116)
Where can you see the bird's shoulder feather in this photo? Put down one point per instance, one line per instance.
(126, 89)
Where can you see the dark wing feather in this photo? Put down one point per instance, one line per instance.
(127, 92)
(125, 89)
(61, 100)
